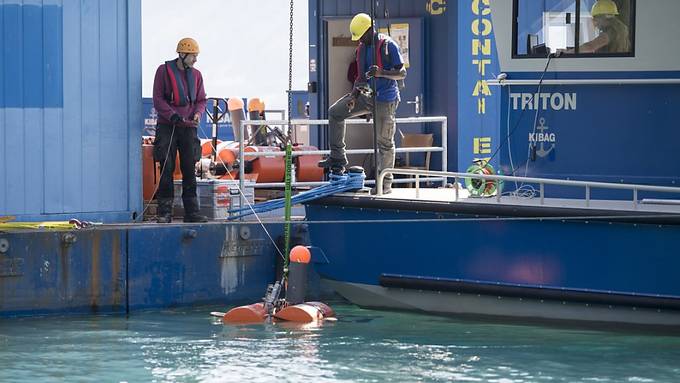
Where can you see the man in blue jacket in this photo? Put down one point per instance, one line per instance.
(388, 69)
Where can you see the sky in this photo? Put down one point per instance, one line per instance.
(244, 45)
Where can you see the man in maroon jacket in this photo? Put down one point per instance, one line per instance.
(179, 99)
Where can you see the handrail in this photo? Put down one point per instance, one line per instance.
(420, 149)
(594, 81)
(588, 185)
(407, 120)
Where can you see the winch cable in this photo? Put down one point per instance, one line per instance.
(165, 163)
(289, 150)
(532, 145)
(506, 140)
(245, 198)
(374, 83)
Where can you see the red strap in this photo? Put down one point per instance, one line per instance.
(173, 83)
(381, 44)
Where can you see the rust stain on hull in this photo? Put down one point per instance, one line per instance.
(116, 280)
(95, 272)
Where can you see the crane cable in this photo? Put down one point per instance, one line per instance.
(289, 148)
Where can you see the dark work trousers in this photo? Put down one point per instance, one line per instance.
(165, 149)
(385, 122)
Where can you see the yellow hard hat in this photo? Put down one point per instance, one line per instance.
(359, 25)
(188, 45)
(604, 8)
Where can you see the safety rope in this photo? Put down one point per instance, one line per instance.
(338, 184)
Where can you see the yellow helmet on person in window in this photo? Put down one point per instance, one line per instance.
(188, 45)
(604, 8)
(359, 25)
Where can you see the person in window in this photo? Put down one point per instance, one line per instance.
(613, 36)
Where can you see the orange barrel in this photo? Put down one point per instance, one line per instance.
(307, 168)
(227, 154)
(254, 313)
(305, 312)
(206, 146)
(150, 172)
(268, 169)
(235, 106)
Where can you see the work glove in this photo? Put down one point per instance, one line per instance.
(196, 120)
(373, 71)
(176, 119)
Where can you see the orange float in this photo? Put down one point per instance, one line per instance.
(305, 312)
(207, 146)
(307, 169)
(255, 313)
(150, 172)
(266, 169)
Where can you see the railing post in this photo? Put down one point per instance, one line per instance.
(541, 192)
(445, 148)
(241, 165)
(417, 185)
(635, 198)
(455, 186)
(587, 195)
(498, 190)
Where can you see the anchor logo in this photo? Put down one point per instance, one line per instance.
(542, 137)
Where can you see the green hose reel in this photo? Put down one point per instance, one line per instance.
(479, 187)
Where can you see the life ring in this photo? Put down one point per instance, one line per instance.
(482, 188)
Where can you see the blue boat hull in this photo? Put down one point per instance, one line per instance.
(591, 262)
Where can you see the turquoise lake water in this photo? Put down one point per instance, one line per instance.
(362, 346)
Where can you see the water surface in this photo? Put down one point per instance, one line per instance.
(363, 346)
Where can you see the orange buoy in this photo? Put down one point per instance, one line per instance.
(300, 254)
(255, 313)
(305, 312)
(207, 147)
(256, 105)
(234, 103)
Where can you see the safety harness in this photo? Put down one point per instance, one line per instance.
(382, 48)
(180, 96)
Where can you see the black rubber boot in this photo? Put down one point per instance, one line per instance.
(191, 213)
(334, 167)
(164, 212)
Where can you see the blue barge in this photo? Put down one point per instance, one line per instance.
(70, 129)
(581, 225)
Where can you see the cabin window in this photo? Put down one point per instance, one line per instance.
(575, 28)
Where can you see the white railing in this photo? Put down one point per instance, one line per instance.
(594, 81)
(587, 185)
(409, 120)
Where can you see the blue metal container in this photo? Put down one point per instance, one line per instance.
(300, 101)
(69, 110)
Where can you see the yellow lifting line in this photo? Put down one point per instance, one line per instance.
(6, 224)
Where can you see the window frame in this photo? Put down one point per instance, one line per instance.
(577, 31)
